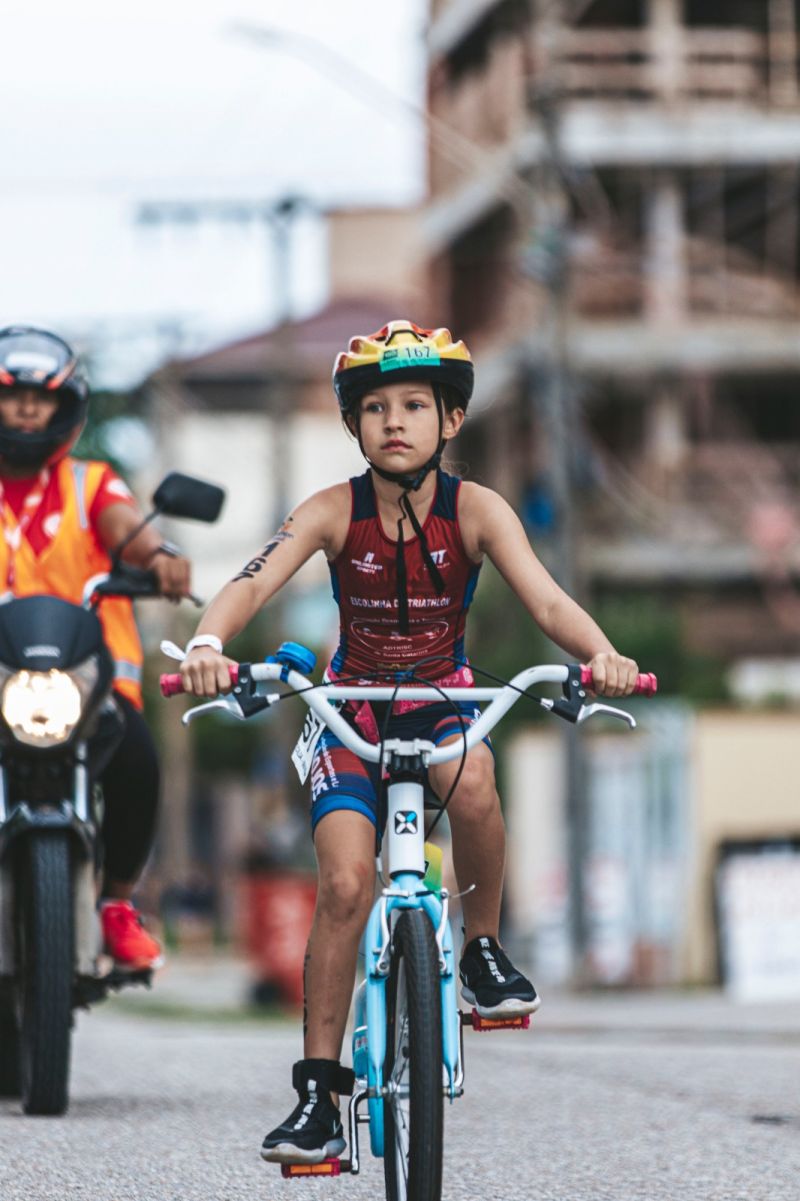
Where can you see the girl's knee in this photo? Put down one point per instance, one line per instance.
(476, 803)
(345, 892)
(476, 785)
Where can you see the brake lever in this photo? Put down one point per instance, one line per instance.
(230, 704)
(226, 704)
(587, 711)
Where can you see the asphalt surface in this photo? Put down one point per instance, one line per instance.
(609, 1096)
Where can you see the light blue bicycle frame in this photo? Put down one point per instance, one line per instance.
(406, 860)
(407, 890)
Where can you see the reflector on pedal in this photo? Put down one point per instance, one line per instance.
(328, 1167)
(510, 1023)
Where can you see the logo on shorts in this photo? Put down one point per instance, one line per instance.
(405, 822)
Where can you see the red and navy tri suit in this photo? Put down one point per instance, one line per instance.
(364, 578)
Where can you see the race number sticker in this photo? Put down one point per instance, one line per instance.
(408, 356)
(303, 753)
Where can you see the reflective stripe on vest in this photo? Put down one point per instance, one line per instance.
(73, 556)
(127, 671)
(79, 473)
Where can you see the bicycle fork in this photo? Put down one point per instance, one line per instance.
(406, 859)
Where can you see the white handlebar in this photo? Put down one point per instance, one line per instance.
(318, 699)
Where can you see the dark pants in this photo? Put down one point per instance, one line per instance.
(130, 793)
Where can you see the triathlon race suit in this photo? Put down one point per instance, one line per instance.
(364, 578)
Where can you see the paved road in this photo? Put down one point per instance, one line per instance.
(611, 1097)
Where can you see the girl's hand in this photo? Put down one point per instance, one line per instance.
(204, 672)
(613, 674)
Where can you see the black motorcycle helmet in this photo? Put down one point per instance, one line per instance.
(35, 358)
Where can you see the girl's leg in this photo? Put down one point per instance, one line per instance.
(344, 842)
(489, 980)
(479, 837)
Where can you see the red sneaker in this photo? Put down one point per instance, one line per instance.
(126, 939)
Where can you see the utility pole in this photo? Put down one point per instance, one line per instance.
(277, 217)
(553, 403)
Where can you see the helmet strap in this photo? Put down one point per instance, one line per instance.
(409, 483)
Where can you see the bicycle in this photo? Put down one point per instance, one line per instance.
(407, 1041)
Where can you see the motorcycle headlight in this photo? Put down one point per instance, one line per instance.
(42, 708)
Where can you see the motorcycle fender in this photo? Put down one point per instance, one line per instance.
(87, 924)
(7, 966)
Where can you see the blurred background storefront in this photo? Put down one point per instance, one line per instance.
(608, 215)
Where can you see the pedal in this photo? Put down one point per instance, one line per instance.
(474, 1019)
(89, 990)
(328, 1167)
(125, 978)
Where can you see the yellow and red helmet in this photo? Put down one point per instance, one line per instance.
(401, 351)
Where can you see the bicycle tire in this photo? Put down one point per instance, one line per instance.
(9, 1050)
(44, 918)
(413, 1116)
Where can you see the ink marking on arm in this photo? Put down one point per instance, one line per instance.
(252, 568)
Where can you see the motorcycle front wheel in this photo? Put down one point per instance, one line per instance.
(45, 971)
(9, 1050)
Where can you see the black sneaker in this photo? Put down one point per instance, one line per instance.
(313, 1130)
(491, 983)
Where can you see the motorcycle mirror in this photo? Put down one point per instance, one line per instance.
(181, 495)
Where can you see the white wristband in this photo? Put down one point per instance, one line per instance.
(205, 640)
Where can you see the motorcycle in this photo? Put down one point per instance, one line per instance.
(59, 727)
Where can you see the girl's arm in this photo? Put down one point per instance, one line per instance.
(490, 526)
(319, 523)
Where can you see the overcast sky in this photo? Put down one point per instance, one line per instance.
(105, 107)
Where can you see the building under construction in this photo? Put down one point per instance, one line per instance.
(613, 224)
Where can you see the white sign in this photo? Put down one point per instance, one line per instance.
(759, 905)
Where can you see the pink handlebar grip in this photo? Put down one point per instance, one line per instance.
(171, 683)
(646, 682)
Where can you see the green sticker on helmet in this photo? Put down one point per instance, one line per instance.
(409, 356)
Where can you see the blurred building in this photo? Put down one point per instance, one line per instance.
(613, 226)
(613, 223)
(260, 417)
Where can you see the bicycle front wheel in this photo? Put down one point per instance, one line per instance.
(413, 1114)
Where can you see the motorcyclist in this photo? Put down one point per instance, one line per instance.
(62, 518)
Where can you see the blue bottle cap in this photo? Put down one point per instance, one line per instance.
(298, 657)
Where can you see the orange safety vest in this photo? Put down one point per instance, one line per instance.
(72, 557)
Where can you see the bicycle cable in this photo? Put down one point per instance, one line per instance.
(407, 677)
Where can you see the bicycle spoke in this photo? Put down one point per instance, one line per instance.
(399, 1071)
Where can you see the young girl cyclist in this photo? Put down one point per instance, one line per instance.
(404, 544)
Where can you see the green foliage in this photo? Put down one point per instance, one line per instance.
(504, 639)
(104, 406)
(649, 628)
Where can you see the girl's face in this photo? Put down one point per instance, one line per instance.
(26, 409)
(400, 425)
